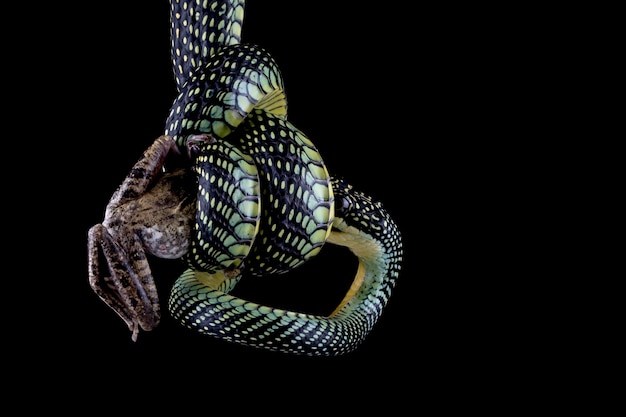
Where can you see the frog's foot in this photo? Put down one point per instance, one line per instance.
(122, 279)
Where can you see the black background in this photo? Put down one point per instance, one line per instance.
(360, 86)
(432, 110)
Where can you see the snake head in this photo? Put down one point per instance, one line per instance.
(195, 143)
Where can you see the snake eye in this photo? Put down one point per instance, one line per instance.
(343, 205)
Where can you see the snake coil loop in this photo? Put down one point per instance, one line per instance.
(286, 213)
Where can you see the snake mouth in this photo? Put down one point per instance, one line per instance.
(195, 143)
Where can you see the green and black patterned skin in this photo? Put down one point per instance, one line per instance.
(233, 92)
(295, 201)
(201, 301)
(198, 30)
(224, 232)
(262, 203)
(216, 99)
(219, 79)
(266, 202)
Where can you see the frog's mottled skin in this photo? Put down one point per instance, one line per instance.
(152, 212)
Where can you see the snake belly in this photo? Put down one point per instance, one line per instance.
(266, 202)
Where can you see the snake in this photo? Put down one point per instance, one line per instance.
(266, 203)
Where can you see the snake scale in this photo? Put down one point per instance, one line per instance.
(264, 204)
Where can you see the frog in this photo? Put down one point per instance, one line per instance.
(150, 214)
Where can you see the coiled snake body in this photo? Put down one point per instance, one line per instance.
(265, 202)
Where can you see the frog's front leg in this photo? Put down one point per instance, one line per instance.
(143, 174)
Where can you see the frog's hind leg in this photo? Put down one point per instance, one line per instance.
(123, 282)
